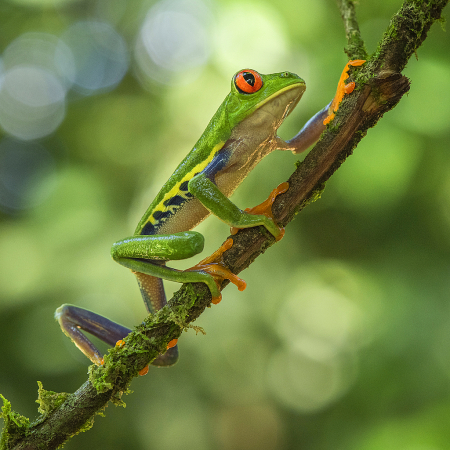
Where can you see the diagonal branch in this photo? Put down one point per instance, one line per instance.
(380, 86)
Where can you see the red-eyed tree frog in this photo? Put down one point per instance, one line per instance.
(240, 134)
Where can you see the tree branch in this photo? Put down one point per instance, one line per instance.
(379, 88)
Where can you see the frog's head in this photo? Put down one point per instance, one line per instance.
(274, 95)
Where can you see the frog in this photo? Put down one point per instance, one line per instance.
(240, 134)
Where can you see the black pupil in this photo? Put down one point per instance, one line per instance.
(249, 78)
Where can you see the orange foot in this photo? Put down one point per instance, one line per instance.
(265, 207)
(172, 343)
(343, 88)
(120, 343)
(213, 265)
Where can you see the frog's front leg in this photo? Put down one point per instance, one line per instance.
(213, 264)
(216, 202)
(312, 130)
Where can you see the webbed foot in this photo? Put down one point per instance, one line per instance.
(213, 265)
(342, 89)
(265, 208)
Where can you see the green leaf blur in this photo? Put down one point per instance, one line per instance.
(341, 339)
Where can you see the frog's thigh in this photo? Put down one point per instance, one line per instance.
(159, 246)
(145, 254)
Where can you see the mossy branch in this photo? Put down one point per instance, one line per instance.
(380, 86)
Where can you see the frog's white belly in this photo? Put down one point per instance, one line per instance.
(255, 137)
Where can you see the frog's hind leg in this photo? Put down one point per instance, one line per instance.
(73, 320)
(152, 291)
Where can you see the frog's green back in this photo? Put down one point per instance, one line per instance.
(175, 191)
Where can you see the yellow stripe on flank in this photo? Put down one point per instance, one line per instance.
(176, 188)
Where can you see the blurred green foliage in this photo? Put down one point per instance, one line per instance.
(342, 337)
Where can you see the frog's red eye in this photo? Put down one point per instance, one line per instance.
(248, 81)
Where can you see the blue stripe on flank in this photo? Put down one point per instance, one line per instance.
(149, 229)
(176, 200)
(217, 164)
(184, 186)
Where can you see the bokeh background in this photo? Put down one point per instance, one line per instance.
(342, 337)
